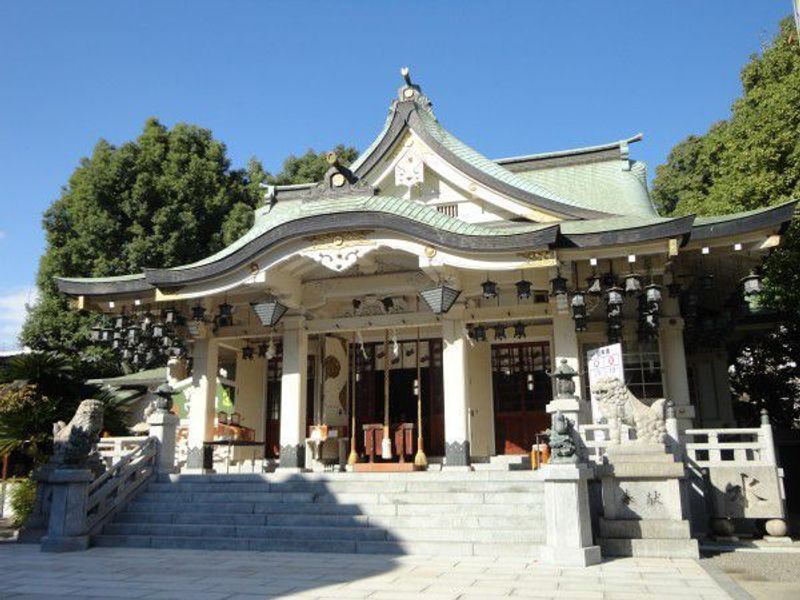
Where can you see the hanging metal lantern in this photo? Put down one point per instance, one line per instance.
(519, 330)
(158, 330)
(440, 299)
(479, 333)
(134, 334)
(580, 324)
(198, 313)
(558, 286)
(499, 332)
(578, 304)
(614, 296)
(262, 349)
(523, 289)
(169, 316)
(225, 315)
(652, 294)
(633, 284)
(594, 286)
(489, 288)
(247, 353)
(269, 311)
(752, 284)
(166, 341)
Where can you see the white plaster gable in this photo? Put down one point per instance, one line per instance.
(413, 170)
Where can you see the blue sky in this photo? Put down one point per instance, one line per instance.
(273, 78)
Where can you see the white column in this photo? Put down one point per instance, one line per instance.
(202, 407)
(293, 394)
(456, 407)
(566, 347)
(673, 366)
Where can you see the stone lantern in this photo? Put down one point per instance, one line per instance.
(565, 382)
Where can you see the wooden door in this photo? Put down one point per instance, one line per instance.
(521, 389)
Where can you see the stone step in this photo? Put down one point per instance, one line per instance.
(416, 476)
(533, 509)
(409, 534)
(645, 529)
(383, 487)
(501, 497)
(245, 531)
(315, 520)
(650, 548)
(319, 545)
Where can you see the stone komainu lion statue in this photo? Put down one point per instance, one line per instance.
(74, 443)
(619, 405)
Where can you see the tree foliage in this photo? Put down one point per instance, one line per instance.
(167, 198)
(39, 389)
(750, 161)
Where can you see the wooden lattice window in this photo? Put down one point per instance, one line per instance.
(451, 210)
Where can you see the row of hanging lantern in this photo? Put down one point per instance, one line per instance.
(264, 349)
(269, 311)
(141, 339)
(606, 286)
(477, 332)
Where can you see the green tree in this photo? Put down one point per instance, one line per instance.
(167, 198)
(749, 161)
(40, 388)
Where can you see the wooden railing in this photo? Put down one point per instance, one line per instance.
(111, 490)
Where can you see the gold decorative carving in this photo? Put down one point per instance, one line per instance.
(339, 240)
(541, 258)
(430, 251)
(338, 180)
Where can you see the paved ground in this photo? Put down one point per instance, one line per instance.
(28, 574)
(770, 575)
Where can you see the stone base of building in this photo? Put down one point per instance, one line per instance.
(572, 557)
(643, 507)
(65, 544)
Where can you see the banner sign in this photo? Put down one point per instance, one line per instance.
(602, 363)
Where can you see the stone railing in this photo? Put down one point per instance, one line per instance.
(730, 447)
(596, 439)
(112, 449)
(109, 492)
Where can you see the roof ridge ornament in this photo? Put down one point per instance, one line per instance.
(339, 181)
(412, 92)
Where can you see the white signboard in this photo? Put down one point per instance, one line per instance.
(604, 362)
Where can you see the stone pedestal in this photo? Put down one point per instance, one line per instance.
(66, 528)
(163, 426)
(643, 509)
(575, 409)
(568, 524)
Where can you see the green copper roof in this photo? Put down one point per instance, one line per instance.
(611, 224)
(491, 168)
(284, 212)
(602, 185)
(713, 219)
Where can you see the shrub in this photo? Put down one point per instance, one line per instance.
(23, 497)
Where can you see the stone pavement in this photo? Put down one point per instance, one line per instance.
(150, 574)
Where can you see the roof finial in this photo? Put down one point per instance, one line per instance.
(406, 75)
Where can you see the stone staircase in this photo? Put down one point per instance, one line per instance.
(486, 513)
